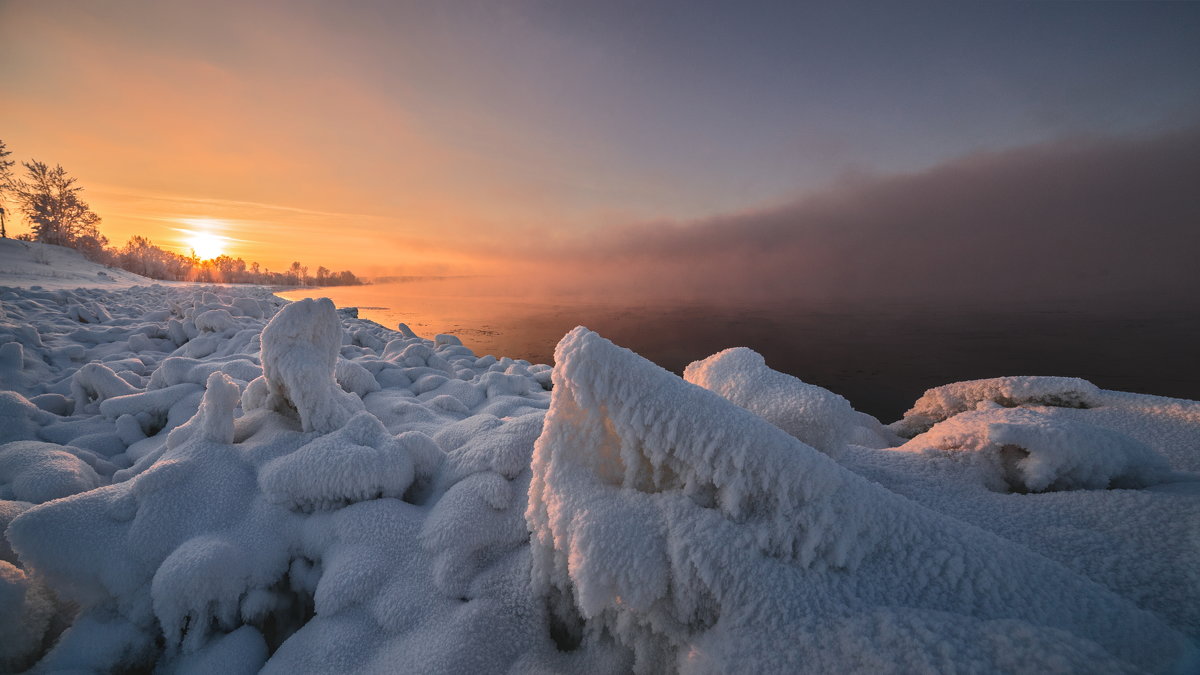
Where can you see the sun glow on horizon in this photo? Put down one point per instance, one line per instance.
(205, 244)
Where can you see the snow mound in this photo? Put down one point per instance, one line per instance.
(814, 415)
(359, 461)
(704, 539)
(942, 402)
(93, 384)
(35, 472)
(299, 356)
(19, 417)
(1025, 451)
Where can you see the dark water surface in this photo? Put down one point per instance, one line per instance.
(881, 357)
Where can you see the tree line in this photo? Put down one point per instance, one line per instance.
(48, 198)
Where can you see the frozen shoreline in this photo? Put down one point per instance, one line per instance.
(209, 479)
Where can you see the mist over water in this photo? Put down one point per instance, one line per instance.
(881, 356)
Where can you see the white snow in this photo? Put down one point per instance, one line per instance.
(705, 539)
(299, 352)
(1025, 450)
(941, 402)
(24, 263)
(816, 416)
(208, 479)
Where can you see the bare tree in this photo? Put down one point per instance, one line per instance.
(6, 186)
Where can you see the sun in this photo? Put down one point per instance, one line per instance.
(206, 245)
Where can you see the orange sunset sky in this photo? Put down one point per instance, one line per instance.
(448, 137)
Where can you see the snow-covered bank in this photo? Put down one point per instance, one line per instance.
(211, 480)
(26, 264)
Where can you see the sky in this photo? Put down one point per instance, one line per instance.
(458, 137)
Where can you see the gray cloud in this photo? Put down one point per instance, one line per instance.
(1106, 220)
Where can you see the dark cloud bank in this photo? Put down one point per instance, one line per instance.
(1088, 221)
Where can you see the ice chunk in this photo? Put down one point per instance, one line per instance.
(942, 402)
(814, 415)
(299, 352)
(1026, 451)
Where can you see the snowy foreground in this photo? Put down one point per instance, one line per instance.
(213, 481)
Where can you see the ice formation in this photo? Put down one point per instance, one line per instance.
(814, 415)
(705, 540)
(942, 402)
(206, 479)
(299, 355)
(1024, 450)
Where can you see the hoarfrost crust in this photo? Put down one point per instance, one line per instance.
(948, 400)
(816, 416)
(689, 530)
(1027, 451)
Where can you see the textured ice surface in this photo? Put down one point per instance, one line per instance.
(942, 402)
(703, 538)
(814, 415)
(1025, 450)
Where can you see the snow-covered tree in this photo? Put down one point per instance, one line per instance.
(49, 199)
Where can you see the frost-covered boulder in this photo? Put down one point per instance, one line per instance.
(299, 355)
(707, 540)
(942, 402)
(812, 414)
(1026, 451)
(36, 472)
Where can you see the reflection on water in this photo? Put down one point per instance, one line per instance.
(880, 357)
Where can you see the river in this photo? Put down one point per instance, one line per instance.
(881, 357)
